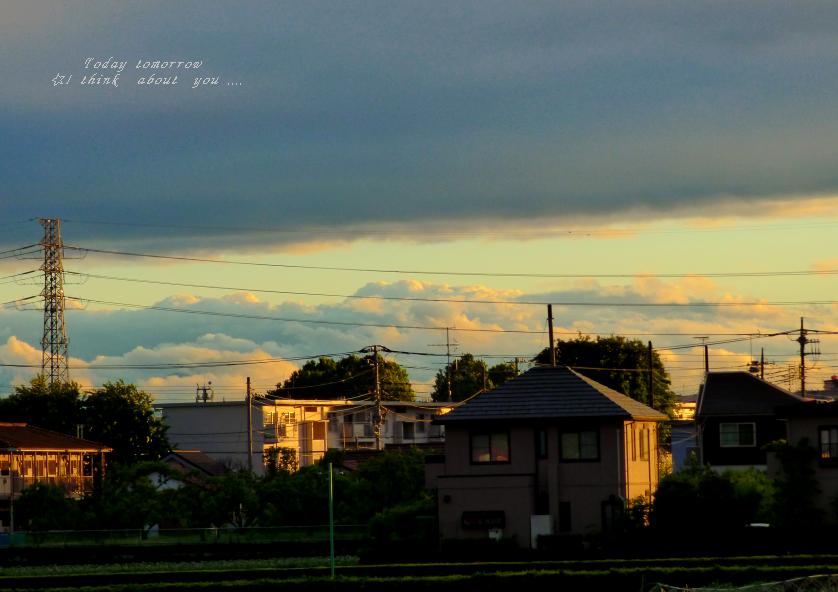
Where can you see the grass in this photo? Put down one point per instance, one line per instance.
(174, 566)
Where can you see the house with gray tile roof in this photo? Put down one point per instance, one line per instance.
(548, 452)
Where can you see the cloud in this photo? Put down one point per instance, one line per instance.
(470, 118)
(130, 337)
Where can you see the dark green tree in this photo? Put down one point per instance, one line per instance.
(129, 498)
(280, 460)
(797, 486)
(232, 499)
(55, 407)
(699, 500)
(45, 507)
(389, 479)
(500, 373)
(624, 364)
(117, 415)
(121, 416)
(349, 377)
(468, 376)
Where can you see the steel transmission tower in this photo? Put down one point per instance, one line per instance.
(54, 342)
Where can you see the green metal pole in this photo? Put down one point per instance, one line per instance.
(331, 522)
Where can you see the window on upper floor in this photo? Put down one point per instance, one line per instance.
(268, 417)
(408, 430)
(580, 446)
(490, 447)
(737, 435)
(828, 437)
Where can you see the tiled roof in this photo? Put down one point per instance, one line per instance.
(741, 393)
(550, 393)
(195, 460)
(26, 437)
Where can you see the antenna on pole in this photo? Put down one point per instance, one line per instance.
(54, 360)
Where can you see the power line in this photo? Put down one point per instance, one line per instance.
(445, 300)
(397, 326)
(450, 273)
(290, 320)
(185, 365)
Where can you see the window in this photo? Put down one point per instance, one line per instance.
(269, 417)
(633, 431)
(319, 431)
(408, 432)
(490, 448)
(829, 442)
(733, 435)
(580, 446)
(644, 443)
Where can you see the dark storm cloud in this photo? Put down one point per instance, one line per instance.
(354, 114)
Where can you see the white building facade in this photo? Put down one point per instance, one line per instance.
(308, 427)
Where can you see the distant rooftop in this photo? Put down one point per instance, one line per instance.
(551, 393)
(741, 393)
(28, 438)
(195, 460)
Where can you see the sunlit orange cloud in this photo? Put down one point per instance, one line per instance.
(825, 265)
(734, 211)
(17, 351)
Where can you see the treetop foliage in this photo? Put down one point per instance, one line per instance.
(349, 377)
(625, 364)
(118, 415)
(470, 376)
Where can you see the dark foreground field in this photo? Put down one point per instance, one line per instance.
(314, 574)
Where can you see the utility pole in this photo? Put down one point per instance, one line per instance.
(552, 341)
(762, 363)
(249, 427)
(703, 339)
(448, 360)
(54, 341)
(651, 378)
(448, 374)
(804, 341)
(378, 419)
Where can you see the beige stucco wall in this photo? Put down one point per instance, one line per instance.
(510, 494)
(511, 487)
(642, 475)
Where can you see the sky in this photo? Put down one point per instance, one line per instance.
(584, 154)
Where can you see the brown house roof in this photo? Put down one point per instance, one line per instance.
(550, 393)
(741, 393)
(28, 438)
(194, 460)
